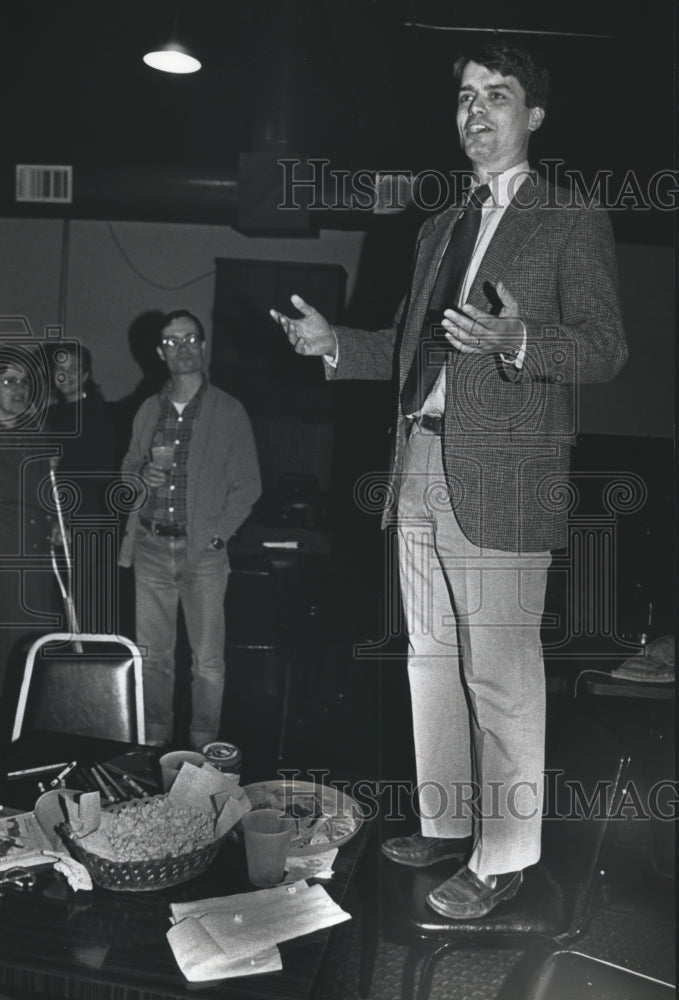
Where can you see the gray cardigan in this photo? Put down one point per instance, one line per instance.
(223, 471)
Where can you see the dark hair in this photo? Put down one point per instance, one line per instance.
(181, 314)
(58, 354)
(7, 363)
(510, 60)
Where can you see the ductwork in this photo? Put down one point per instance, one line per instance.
(150, 194)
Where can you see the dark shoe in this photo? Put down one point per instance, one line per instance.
(419, 852)
(465, 895)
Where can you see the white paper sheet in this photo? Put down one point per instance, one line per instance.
(237, 935)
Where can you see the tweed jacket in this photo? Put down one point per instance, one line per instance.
(223, 471)
(508, 431)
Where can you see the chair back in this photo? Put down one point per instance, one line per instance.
(586, 779)
(570, 975)
(88, 685)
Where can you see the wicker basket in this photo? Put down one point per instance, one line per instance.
(141, 876)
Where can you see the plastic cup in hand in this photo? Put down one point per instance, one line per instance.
(171, 762)
(267, 837)
(163, 456)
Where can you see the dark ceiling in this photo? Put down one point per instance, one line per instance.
(355, 81)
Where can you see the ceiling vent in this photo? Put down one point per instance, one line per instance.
(44, 184)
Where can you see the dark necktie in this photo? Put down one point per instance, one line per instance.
(431, 350)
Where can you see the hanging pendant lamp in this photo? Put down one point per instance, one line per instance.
(173, 57)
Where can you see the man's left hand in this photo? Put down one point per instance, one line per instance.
(473, 331)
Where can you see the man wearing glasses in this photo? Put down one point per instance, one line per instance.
(193, 447)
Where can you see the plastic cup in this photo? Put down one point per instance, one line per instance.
(267, 837)
(163, 456)
(171, 762)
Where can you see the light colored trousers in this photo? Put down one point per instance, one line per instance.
(163, 577)
(476, 673)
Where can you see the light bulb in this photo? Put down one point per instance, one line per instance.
(172, 59)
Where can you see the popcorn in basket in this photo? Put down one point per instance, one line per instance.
(157, 841)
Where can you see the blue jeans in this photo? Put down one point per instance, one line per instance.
(163, 577)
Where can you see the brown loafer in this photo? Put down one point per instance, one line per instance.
(419, 852)
(465, 895)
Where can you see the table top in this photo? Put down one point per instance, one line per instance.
(280, 540)
(605, 685)
(107, 944)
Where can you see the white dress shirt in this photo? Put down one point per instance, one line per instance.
(503, 187)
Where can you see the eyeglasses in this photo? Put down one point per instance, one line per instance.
(174, 343)
(12, 382)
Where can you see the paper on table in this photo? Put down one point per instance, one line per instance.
(313, 866)
(193, 785)
(234, 935)
(76, 874)
(24, 837)
(201, 958)
(22, 841)
(230, 813)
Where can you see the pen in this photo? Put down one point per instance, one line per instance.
(112, 782)
(85, 779)
(36, 770)
(62, 774)
(106, 791)
(138, 778)
(112, 792)
(137, 789)
(133, 793)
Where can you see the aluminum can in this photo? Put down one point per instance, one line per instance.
(224, 757)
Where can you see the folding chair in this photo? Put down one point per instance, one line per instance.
(96, 692)
(570, 975)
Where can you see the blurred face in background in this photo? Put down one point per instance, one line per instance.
(69, 379)
(15, 392)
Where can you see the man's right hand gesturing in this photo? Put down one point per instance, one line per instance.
(312, 334)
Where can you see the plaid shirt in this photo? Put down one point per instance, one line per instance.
(167, 503)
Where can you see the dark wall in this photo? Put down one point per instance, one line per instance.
(640, 401)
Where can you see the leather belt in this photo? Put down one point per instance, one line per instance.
(429, 422)
(172, 530)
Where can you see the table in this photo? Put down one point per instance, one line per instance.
(642, 714)
(607, 686)
(104, 945)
